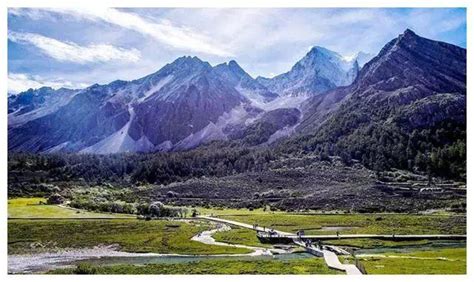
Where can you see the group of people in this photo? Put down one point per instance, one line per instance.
(270, 231)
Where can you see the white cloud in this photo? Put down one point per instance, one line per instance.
(180, 37)
(33, 14)
(71, 52)
(263, 41)
(19, 82)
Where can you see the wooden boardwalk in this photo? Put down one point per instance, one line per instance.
(328, 252)
(333, 262)
(393, 237)
(330, 257)
(245, 225)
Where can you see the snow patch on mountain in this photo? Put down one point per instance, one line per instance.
(254, 96)
(237, 115)
(58, 148)
(318, 71)
(156, 87)
(362, 58)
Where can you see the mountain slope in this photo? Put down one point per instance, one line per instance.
(153, 113)
(85, 120)
(406, 104)
(186, 109)
(33, 104)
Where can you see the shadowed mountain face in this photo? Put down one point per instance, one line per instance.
(408, 68)
(410, 60)
(406, 103)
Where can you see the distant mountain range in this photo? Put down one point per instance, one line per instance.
(413, 83)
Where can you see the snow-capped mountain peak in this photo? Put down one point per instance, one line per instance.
(318, 71)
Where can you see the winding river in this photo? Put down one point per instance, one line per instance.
(110, 255)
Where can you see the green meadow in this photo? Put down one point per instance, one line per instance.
(222, 266)
(32, 208)
(132, 235)
(437, 261)
(356, 223)
(36, 228)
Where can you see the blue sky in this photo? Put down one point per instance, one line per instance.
(78, 47)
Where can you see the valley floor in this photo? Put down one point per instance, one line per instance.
(28, 237)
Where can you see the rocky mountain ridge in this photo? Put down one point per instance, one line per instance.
(413, 82)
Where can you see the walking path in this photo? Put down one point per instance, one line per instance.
(330, 252)
(333, 262)
(372, 236)
(330, 257)
(245, 225)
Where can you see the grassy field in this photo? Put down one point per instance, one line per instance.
(159, 236)
(79, 230)
(441, 261)
(240, 236)
(31, 208)
(298, 266)
(357, 223)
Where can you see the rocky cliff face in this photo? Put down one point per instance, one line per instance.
(411, 60)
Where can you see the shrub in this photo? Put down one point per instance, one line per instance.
(55, 199)
(157, 209)
(85, 268)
